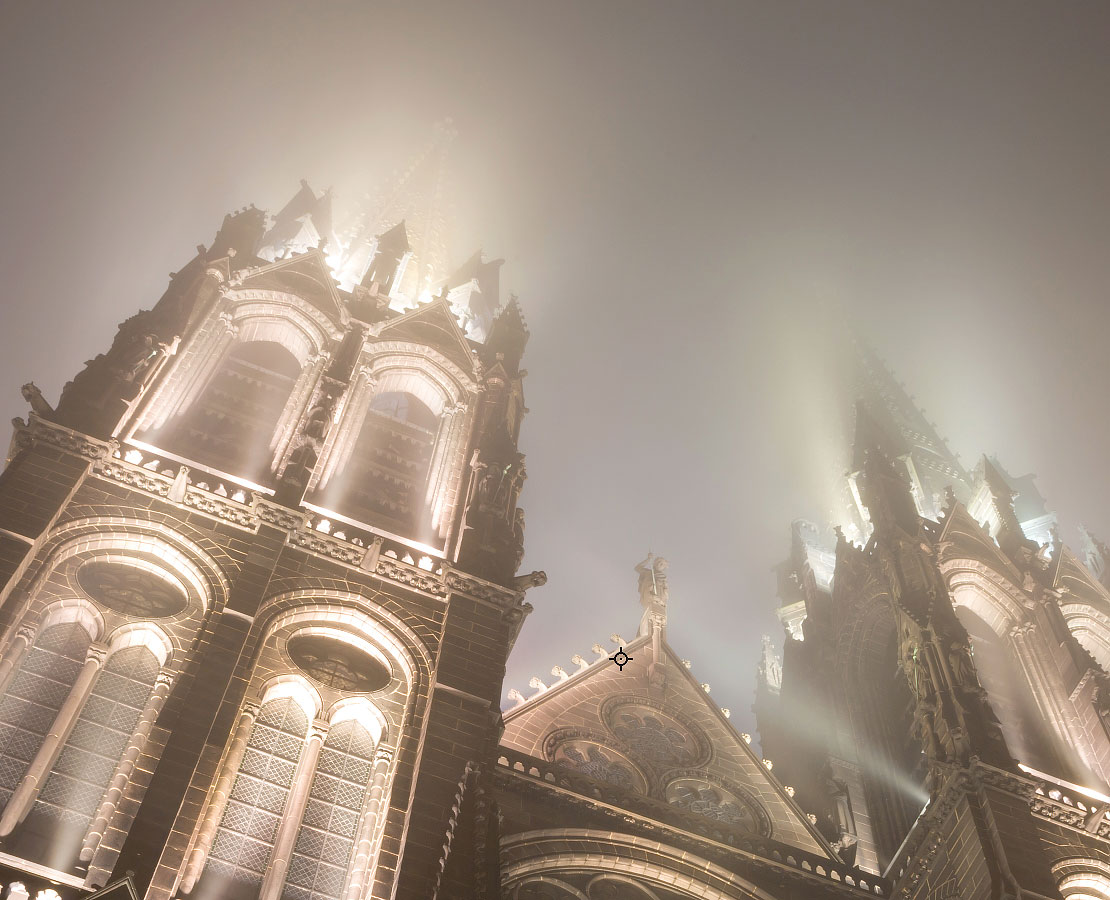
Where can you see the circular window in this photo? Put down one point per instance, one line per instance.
(716, 802)
(595, 760)
(338, 664)
(654, 735)
(131, 591)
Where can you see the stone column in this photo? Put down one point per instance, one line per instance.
(341, 439)
(217, 800)
(295, 406)
(13, 655)
(444, 514)
(122, 776)
(439, 451)
(31, 783)
(286, 837)
(1047, 692)
(359, 873)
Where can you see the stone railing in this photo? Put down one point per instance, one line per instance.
(1054, 801)
(311, 530)
(785, 856)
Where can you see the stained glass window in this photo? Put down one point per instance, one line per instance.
(322, 853)
(246, 833)
(36, 693)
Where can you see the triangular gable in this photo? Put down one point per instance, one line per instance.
(1074, 577)
(308, 276)
(969, 540)
(434, 325)
(670, 742)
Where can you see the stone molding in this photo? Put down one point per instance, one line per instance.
(707, 838)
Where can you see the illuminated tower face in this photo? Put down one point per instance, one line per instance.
(256, 615)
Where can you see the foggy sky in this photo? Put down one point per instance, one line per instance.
(687, 195)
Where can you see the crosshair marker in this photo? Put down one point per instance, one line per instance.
(621, 658)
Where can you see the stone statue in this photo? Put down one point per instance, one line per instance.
(34, 396)
(963, 670)
(653, 583)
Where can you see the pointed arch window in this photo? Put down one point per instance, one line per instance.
(386, 478)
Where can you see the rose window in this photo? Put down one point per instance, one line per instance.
(714, 802)
(131, 591)
(600, 763)
(338, 664)
(655, 736)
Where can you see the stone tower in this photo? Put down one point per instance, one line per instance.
(941, 706)
(259, 581)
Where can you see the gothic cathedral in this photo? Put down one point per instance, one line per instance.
(260, 581)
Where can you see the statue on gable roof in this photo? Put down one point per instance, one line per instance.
(653, 583)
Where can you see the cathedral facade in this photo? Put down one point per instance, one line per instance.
(259, 571)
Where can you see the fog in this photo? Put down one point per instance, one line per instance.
(693, 200)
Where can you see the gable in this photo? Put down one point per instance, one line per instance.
(669, 743)
(307, 276)
(432, 325)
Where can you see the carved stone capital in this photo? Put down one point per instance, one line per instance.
(97, 653)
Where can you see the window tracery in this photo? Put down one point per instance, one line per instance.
(35, 696)
(301, 809)
(338, 664)
(731, 805)
(130, 591)
(654, 735)
(589, 756)
(241, 850)
(71, 793)
(330, 825)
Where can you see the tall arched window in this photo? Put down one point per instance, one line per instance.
(385, 481)
(230, 425)
(293, 811)
(1083, 879)
(1011, 700)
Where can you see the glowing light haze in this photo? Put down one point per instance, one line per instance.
(690, 197)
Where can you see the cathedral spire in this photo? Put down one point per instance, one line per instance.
(931, 465)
